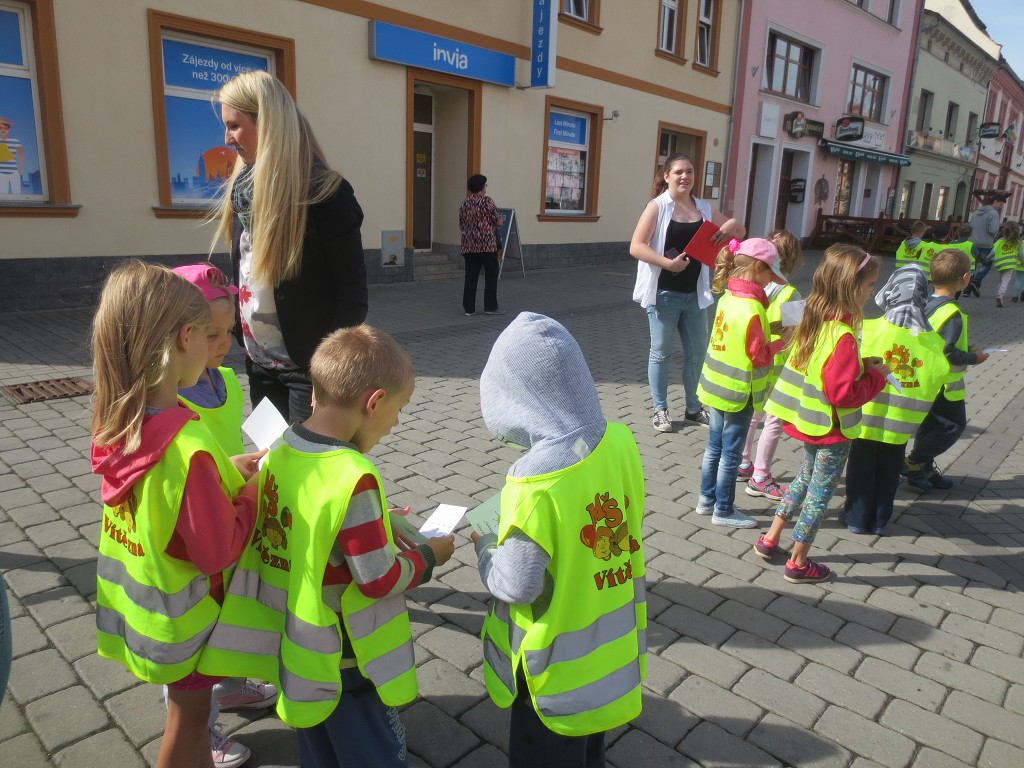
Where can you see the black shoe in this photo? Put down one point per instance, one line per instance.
(938, 480)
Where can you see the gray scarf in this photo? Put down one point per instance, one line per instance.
(904, 297)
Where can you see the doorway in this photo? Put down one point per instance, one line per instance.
(423, 171)
(844, 187)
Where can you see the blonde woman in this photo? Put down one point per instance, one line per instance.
(296, 251)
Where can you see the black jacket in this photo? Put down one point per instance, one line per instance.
(330, 290)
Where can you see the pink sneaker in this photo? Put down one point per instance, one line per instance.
(744, 473)
(227, 753)
(767, 488)
(253, 695)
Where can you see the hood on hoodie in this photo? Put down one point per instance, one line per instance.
(120, 471)
(536, 391)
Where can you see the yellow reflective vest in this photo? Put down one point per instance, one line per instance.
(729, 380)
(154, 612)
(955, 387)
(224, 422)
(967, 247)
(584, 659)
(919, 362)
(1006, 255)
(275, 623)
(784, 294)
(914, 255)
(799, 398)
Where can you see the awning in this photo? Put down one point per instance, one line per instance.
(847, 152)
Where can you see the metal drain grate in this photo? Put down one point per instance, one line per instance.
(51, 389)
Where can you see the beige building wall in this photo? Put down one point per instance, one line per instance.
(358, 109)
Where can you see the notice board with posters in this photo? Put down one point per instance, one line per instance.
(508, 231)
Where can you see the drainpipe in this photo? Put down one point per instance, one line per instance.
(741, 64)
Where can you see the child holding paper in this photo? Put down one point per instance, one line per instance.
(564, 639)
(340, 628)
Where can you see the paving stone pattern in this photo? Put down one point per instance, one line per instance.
(910, 656)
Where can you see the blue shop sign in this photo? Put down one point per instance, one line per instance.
(418, 49)
(567, 129)
(190, 65)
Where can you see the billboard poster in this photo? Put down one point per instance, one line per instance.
(197, 159)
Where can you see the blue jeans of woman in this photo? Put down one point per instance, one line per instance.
(726, 437)
(5, 639)
(672, 314)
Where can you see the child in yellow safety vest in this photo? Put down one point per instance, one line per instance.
(217, 398)
(317, 601)
(905, 341)
(1006, 257)
(911, 250)
(819, 395)
(565, 636)
(734, 380)
(758, 473)
(177, 512)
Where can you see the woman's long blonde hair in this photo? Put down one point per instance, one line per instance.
(133, 334)
(835, 293)
(289, 174)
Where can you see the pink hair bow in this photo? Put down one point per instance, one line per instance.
(734, 245)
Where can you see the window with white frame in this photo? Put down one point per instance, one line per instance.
(194, 68)
(579, 9)
(22, 171)
(670, 28)
(706, 34)
(572, 143)
(790, 66)
(867, 93)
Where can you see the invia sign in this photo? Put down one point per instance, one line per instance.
(418, 49)
(543, 26)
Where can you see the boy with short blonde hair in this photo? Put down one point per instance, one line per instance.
(323, 543)
(947, 418)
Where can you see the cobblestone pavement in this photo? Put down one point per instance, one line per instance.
(912, 655)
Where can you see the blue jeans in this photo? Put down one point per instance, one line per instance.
(728, 434)
(676, 313)
(5, 639)
(941, 428)
(984, 260)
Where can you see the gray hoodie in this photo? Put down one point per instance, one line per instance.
(537, 392)
(984, 226)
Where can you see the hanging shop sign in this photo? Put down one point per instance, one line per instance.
(440, 54)
(989, 131)
(543, 28)
(848, 129)
(797, 125)
(846, 152)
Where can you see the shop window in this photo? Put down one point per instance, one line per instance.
(867, 93)
(670, 27)
(571, 150)
(707, 34)
(191, 60)
(790, 67)
(33, 161)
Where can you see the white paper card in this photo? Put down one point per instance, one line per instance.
(792, 312)
(444, 520)
(891, 378)
(990, 350)
(484, 518)
(265, 424)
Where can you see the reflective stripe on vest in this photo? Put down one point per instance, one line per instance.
(728, 380)
(955, 388)
(799, 398)
(584, 658)
(153, 611)
(275, 622)
(919, 362)
(774, 314)
(1006, 255)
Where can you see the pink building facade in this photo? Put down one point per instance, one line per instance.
(1001, 157)
(820, 110)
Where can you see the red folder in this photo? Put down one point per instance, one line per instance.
(700, 246)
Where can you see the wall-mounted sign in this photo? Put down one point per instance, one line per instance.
(418, 49)
(797, 189)
(798, 126)
(989, 131)
(543, 27)
(849, 129)
(847, 152)
(567, 129)
(768, 120)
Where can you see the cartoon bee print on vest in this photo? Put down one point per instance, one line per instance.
(718, 332)
(902, 363)
(610, 539)
(275, 533)
(126, 511)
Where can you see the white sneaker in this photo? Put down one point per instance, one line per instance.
(735, 520)
(254, 694)
(227, 753)
(662, 421)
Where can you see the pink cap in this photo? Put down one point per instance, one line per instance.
(208, 279)
(762, 250)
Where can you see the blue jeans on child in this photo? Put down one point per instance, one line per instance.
(940, 429)
(675, 313)
(726, 438)
(813, 488)
(361, 732)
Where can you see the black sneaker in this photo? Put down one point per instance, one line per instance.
(938, 480)
(697, 419)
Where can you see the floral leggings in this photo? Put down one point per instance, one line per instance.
(812, 489)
